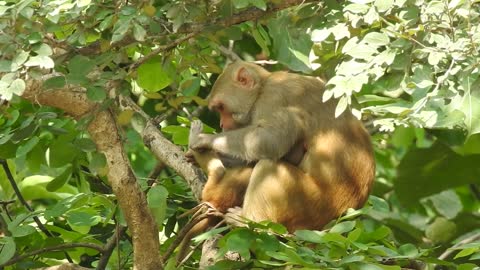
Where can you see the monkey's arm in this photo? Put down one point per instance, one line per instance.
(264, 139)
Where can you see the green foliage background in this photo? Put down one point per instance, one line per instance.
(409, 68)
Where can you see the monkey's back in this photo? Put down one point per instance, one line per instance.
(339, 153)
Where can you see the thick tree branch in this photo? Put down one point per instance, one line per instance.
(166, 151)
(103, 131)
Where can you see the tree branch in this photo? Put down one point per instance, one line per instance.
(10, 178)
(166, 151)
(104, 132)
(110, 246)
(249, 14)
(60, 247)
(20, 197)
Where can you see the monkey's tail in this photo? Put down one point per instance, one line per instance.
(197, 229)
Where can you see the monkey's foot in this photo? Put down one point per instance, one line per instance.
(211, 210)
(234, 217)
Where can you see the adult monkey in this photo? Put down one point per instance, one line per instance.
(266, 116)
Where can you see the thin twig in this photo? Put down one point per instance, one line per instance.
(110, 246)
(160, 49)
(21, 198)
(53, 248)
(221, 223)
(449, 251)
(200, 215)
(155, 173)
(228, 52)
(26, 205)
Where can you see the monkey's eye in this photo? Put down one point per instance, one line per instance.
(220, 107)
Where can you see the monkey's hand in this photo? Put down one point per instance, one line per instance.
(196, 140)
(234, 217)
(190, 156)
(201, 143)
(196, 128)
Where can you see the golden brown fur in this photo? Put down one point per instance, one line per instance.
(265, 115)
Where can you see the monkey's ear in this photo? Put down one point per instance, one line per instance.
(244, 77)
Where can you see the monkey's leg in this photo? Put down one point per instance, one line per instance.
(282, 193)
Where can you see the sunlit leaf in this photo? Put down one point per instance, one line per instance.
(151, 75)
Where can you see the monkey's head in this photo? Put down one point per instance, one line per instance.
(234, 93)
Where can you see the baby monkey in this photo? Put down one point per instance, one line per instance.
(225, 187)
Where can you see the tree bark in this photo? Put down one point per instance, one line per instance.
(104, 132)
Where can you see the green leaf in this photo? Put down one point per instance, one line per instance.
(85, 144)
(21, 231)
(343, 227)
(179, 133)
(95, 93)
(383, 5)
(81, 220)
(157, 202)
(240, 240)
(351, 259)
(139, 32)
(43, 50)
(376, 39)
(24, 133)
(291, 46)
(40, 61)
(121, 28)
(80, 65)
(423, 172)
(357, 8)
(8, 249)
(435, 7)
(56, 210)
(361, 51)
(310, 236)
(241, 3)
(8, 150)
(27, 147)
(466, 252)
(470, 107)
(341, 106)
(19, 60)
(467, 266)
(106, 23)
(191, 87)
(61, 179)
(340, 31)
(261, 4)
(54, 82)
(209, 234)
(17, 87)
(98, 163)
(35, 37)
(408, 250)
(5, 66)
(372, 266)
(447, 203)
(61, 153)
(151, 75)
(34, 187)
